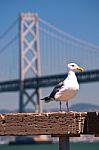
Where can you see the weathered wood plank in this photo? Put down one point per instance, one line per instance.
(53, 123)
(41, 123)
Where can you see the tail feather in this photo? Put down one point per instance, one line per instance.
(47, 99)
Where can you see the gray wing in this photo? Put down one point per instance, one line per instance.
(56, 89)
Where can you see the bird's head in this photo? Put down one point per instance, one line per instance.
(75, 67)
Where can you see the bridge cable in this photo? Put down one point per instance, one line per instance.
(68, 35)
(8, 29)
(8, 44)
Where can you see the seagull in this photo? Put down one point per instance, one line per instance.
(66, 90)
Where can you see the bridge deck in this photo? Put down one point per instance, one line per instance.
(47, 81)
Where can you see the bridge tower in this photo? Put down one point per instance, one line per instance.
(29, 59)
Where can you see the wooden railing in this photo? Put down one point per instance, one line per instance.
(57, 124)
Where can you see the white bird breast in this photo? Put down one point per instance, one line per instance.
(65, 94)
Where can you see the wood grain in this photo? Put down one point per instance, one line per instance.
(52, 123)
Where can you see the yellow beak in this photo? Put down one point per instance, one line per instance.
(80, 69)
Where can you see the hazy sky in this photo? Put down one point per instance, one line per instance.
(77, 17)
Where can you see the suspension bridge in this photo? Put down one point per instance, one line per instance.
(36, 55)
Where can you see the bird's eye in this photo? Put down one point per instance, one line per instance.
(72, 65)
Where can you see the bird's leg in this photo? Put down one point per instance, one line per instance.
(60, 105)
(67, 106)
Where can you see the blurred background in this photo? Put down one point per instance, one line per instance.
(37, 41)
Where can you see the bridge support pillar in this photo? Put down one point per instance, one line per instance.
(29, 59)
